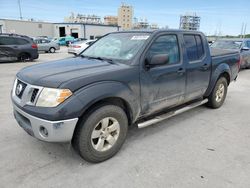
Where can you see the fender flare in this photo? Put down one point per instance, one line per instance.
(221, 69)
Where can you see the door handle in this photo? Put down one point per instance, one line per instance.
(204, 67)
(180, 71)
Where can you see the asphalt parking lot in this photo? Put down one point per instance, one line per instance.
(200, 148)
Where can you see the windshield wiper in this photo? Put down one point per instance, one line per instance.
(99, 58)
(84, 56)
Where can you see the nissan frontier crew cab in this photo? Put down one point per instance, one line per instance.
(124, 78)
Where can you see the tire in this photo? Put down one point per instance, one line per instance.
(95, 144)
(218, 95)
(23, 57)
(248, 66)
(52, 50)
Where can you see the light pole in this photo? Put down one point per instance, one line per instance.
(20, 10)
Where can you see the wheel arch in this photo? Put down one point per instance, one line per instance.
(23, 53)
(117, 101)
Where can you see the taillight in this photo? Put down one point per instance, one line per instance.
(34, 46)
(75, 46)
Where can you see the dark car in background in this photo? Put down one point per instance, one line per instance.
(17, 47)
(242, 45)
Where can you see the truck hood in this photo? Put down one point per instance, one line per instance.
(71, 73)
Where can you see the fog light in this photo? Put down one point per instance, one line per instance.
(44, 132)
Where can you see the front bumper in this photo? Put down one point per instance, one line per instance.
(74, 51)
(57, 131)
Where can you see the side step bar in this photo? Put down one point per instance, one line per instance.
(162, 117)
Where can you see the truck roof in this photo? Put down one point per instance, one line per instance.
(159, 31)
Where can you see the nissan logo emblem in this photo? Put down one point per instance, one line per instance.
(19, 89)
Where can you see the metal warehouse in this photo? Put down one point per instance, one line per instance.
(83, 30)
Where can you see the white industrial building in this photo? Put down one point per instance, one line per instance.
(36, 28)
(29, 28)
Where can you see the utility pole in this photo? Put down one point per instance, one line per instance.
(20, 10)
(242, 28)
(245, 31)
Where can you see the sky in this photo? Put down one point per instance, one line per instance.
(217, 16)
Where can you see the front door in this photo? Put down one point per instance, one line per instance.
(164, 85)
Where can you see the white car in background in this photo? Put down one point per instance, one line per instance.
(77, 47)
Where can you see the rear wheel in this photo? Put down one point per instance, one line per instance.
(101, 134)
(23, 57)
(248, 65)
(52, 50)
(218, 95)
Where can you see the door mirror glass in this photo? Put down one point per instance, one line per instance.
(159, 59)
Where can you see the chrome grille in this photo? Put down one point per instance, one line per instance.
(27, 95)
(34, 94)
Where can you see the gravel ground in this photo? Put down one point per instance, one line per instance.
(199, 148)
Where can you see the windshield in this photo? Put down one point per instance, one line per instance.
(120, 46)
(227, 44)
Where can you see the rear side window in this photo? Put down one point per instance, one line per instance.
(22, 41)
(194, 47)
(7, 41)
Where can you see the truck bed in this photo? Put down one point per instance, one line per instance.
(221, 52)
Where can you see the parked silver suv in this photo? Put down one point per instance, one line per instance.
(46, 45)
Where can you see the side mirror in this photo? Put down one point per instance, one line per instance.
(245, 48)
(159, 59)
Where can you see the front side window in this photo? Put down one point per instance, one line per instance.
(248, 44)
(7, 41)
(44, 41)
(120, 46)
(167, 44)
(194, 47)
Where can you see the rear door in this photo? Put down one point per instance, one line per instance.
(9, 49)
(44, 45)
(198, 66)
(164, 85)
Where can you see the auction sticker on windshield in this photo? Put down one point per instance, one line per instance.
(142, 37)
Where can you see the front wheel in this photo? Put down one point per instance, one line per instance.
(52, 50)
(101, 134)
(218, 95)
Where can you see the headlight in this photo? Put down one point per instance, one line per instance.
(50, 97)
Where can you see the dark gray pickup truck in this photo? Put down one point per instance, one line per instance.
(125, 78)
